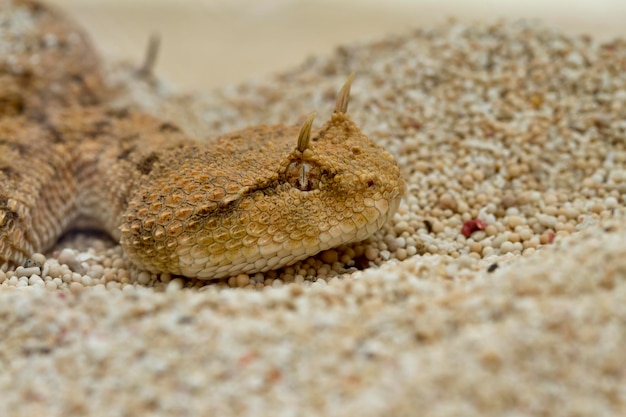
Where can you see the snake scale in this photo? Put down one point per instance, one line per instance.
(250, 201)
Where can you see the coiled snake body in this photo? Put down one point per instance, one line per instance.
(253, 200)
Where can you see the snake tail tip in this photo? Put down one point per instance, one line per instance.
(152, 51)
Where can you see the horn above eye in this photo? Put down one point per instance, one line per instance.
(305, 133)
(341, 106)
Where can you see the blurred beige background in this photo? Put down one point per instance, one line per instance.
(211, 43)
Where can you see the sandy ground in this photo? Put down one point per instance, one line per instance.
(518, 126)
(214, 43)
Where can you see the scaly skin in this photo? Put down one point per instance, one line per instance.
(253, 200)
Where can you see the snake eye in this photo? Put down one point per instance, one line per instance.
(304, 176)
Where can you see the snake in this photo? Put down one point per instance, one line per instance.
(249, 201)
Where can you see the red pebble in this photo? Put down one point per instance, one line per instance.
(471, 226)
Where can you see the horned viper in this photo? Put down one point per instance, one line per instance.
(253, 200)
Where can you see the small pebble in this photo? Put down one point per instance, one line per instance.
(175, 285)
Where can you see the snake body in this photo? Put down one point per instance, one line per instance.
(250, 201)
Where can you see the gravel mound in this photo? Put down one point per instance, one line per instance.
(497, 289)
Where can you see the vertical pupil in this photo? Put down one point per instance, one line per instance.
(303, 177)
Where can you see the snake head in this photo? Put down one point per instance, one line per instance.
(355, 185)
(251, 201)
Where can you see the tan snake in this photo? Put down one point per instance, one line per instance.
(250, 201)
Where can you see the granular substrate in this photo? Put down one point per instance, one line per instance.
(497, 289)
